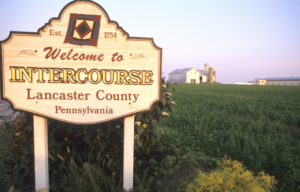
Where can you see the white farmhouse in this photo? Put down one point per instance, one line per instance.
(191, 75)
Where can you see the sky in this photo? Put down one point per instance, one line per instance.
(241, 39)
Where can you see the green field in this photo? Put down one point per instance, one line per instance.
(258, 125)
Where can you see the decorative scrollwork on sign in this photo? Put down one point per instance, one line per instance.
(137, 56)
(28, 52)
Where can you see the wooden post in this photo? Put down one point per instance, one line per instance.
(128, 157)
(40, 134)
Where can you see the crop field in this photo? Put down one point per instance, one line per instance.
(258, 125)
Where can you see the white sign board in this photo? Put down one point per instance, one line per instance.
(81, 68)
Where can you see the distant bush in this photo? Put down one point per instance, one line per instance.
(231, 176)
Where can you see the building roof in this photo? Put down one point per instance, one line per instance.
(184, 71)
(178, 71)
(202, 72)
(281, 78)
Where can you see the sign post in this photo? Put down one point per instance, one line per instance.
(128, 154)
(40, 132)
(80, 68)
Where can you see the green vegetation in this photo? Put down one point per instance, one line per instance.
(100, 144)
(256, 125)
(230, 176)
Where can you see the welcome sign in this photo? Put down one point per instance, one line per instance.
(80, 68)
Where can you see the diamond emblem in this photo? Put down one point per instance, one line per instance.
(83, 29)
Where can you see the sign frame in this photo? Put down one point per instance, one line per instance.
(42, 29)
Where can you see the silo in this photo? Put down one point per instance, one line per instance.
(215, 80)
(210, 75)
(206, 66)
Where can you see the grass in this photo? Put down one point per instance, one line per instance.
(257, 125)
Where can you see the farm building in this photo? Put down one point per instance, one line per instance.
(277, 81)
(191, 75)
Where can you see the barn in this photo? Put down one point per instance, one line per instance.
(278, 81)
(192, 75)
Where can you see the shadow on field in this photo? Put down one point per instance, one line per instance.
(174, 178)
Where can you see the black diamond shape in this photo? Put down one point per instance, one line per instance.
(82, 29)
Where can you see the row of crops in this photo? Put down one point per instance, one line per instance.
(258, 125)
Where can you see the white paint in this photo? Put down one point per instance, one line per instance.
(243, 83)
(40, 133)
(193, 74)
(186, 77)
(128, 157)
